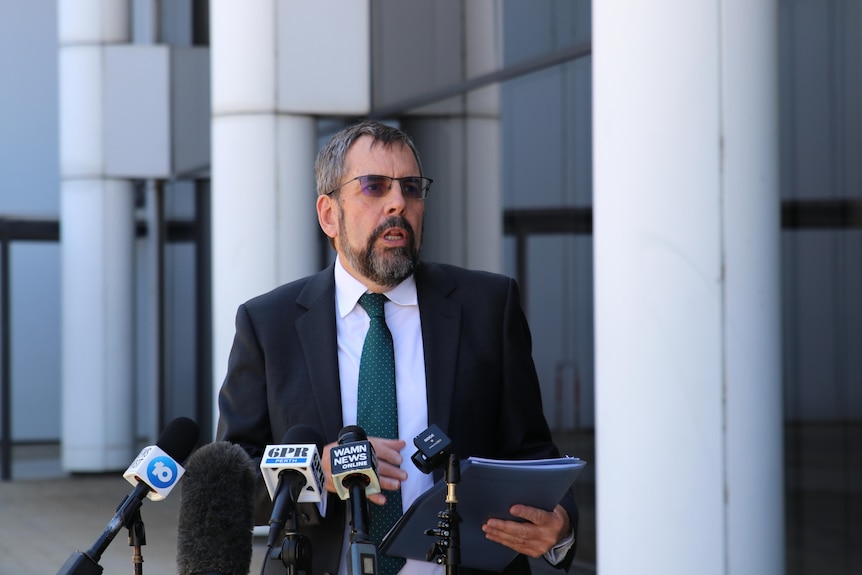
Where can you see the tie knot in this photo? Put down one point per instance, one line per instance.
(372, 303)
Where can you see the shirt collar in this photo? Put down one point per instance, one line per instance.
(348, 290)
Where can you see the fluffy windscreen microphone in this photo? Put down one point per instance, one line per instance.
(216, 515)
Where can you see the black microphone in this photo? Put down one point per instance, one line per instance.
(154, 472)
(215, 527)
(293, 474)
(354, 474)
(433, 449)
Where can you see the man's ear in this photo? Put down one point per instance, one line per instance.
(326, 215)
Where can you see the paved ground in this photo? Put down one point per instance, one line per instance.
(43, 522)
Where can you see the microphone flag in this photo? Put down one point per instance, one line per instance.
(303, 458)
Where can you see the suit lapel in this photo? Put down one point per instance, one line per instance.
(440, 318)
(317, 335)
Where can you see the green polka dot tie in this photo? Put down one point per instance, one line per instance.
(377, 412)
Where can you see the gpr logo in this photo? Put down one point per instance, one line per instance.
(162, 471)
(288, 451)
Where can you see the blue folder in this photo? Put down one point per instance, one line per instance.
(488, 488)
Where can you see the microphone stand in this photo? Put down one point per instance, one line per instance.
(295, 553)
(87, 563)
(362, 552)
(137, 538)
(447, 550)
(296, 548)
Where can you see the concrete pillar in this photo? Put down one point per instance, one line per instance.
(266, 91)
(483, 192)
(686, 231)
(483, 185)
(459, 141)
(97, 235)
(753, 378)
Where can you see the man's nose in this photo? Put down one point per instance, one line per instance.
(395, 200)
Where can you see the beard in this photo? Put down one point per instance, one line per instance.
(387, 266)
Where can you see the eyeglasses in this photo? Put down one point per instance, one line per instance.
(374, 186)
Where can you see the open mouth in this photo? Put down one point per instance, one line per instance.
(394, 235)
(395, 232)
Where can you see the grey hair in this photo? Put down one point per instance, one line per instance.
(330, 165)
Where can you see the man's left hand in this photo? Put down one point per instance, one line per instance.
(534, 537)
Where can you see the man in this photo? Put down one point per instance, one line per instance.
(462, 350)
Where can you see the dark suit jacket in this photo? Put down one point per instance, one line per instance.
(482, 388)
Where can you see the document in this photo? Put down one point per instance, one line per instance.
(488, 488)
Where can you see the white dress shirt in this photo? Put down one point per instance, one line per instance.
(402, 318)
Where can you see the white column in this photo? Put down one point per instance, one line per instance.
(752, 331)
(483, 194)
(483, 185)
(688, 382)
(262, 214)
(265, 90)
(97, 234)
(459, 142)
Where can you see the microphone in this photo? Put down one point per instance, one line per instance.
(294, 475)
(154, 465)
(353, 459)
(354, 474)
(155, 470)
(433, 449)
(215, 526)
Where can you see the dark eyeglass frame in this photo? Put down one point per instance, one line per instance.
(367, 186)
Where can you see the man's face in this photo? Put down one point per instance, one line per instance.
(377, 238)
